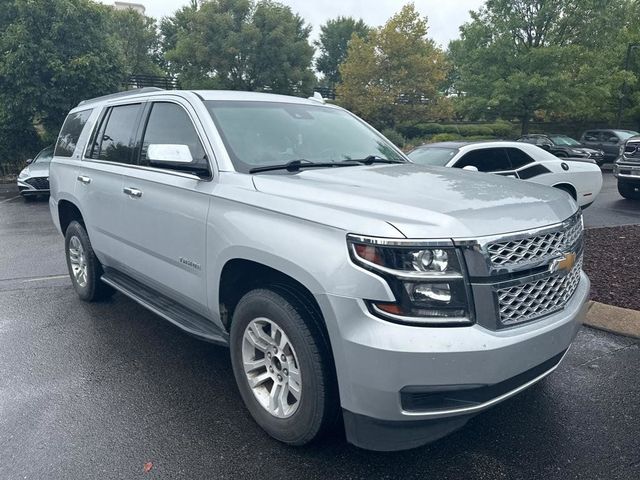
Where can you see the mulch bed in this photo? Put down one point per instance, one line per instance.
(612, 261)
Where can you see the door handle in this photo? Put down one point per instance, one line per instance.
(84, 179)
(132, 192)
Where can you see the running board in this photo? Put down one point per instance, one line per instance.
(184, 318)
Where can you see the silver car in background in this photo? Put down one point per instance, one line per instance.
(33, 180)
(349, 283)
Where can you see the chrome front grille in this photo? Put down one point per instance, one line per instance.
(535, 248)
(529, 301)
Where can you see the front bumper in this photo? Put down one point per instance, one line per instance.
(627, 171)
(377, 360)
(40, 187)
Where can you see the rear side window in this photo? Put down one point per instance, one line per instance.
(115, 139)
(591, 136)
(170, 124)
(70, 133)
(518, 158)
(486, 160)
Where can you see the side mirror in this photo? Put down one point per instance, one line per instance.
(470, 168)
(29, 161)
(169, 153)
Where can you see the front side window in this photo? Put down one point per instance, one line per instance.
(114, 140)
(170, 124)
(486, 160)
(70, 133)
(259, 134)
(591, 137)
(437, 156)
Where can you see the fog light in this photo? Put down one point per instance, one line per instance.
(430, 292)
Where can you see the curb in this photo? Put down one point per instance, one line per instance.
(613, 319)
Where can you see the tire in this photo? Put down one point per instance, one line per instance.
(80, 256)
(629, 190)
(316, 408)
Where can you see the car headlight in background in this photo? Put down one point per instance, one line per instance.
(427, 280)
(24, 173)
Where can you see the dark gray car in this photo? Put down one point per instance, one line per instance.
(608, 140)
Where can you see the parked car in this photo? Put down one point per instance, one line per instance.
(580, 178)
(627, 170)
(563, 146)
(341, 275)
(33, 180)
(609, 140)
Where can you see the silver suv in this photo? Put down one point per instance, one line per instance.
(349, 283)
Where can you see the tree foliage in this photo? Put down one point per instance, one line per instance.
(395, 73)
(333, 45)
(539, 58)
(240, 45)
(52, 55)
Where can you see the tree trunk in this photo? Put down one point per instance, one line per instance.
(525, 123)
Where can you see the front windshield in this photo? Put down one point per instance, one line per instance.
(44, 156)
(626, 134)
(437, 156)
(258, 134)
(564, 141)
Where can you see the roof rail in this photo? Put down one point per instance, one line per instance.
(135, 91)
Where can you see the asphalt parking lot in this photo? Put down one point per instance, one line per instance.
(98, 390)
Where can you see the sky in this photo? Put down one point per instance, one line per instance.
(445, 16)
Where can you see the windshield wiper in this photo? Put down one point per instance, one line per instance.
(374, 159)
(297, 165)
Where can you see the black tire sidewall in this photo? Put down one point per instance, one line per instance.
(306, 422)
(94, 270)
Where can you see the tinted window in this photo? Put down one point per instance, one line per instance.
(518, 157)
(591, 136)
(114, 141)
(609, 137)
(169, 124)
(486, 160)
(70, 133)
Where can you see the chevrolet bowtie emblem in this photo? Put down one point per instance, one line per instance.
(563, 264)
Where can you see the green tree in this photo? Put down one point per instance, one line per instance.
(538, 58)
(138, 39)
(333, 45)
(240, 45)
(53, 53)
(394, 74)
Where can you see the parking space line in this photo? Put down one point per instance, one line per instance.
(49, 277)
(9, 199)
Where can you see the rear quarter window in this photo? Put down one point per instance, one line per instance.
(70, 133)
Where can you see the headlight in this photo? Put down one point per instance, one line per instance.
(621, 150)
(427, 280)
(24, 173)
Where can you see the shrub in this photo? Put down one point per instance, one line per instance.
(445, 137)
(394, 137)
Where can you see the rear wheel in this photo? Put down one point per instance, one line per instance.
(84, 267)
(629, 190)
(283, 366)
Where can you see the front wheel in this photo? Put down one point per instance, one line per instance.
(84, 267)
(629, 190)
(282, 365)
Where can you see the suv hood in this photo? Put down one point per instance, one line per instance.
(419, 201)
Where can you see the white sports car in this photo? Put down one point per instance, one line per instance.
(579, 177)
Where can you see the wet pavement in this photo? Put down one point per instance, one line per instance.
(98, 390)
